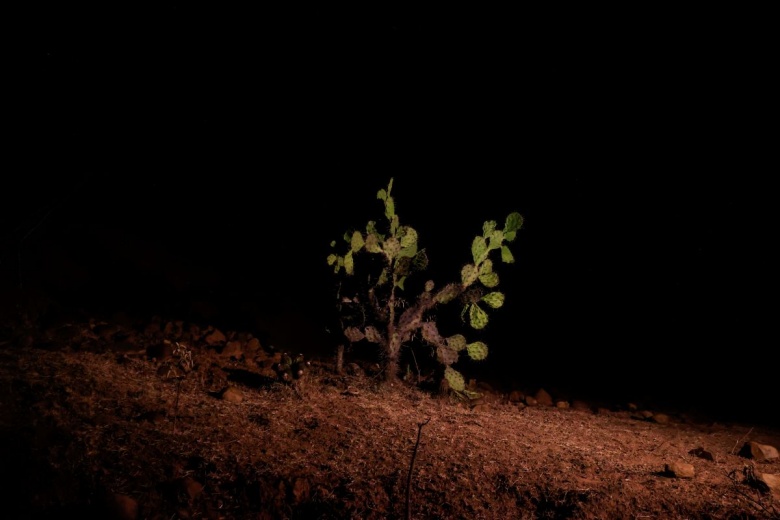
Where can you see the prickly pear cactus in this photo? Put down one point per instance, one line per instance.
(385, 255)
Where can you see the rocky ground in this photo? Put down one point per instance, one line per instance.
(161, 420)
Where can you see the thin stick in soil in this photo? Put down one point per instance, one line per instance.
(411, 468)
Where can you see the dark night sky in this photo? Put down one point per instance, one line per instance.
(229, 148)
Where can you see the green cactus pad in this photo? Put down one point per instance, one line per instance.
(349, 264)
(506, 255)
(353, 334)
(332, 259)
(469, 274)
(409, 237)
(445, 355)
(488, 227)
(456, 342)
(479, 249)
(429, 285)
(455, 379)
(514, 221)
(394, 223)
(408, 252)
(357, 242)
(477, 350)
(477, 317)
(486, 267)
(448, 293)
(494, 299)
(373, 335)
(389, 208)
(489, 280)
(381, 194)
(400, 283)
(496, 238)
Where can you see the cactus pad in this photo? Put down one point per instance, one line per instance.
(445, 355)
(469, 274)
(494, 299)
(448, 293)
(495, 239)
(420, 261)
(488, 227)
(514, 221)
(455, 379)
(409, 237)
(372, 243)
(506, 255)
(457, 342)
(373, 335)
(477, 317)
(353, 334)
(430, 333)
(349, 264)
(479, 249)
(403, 265)
(487, 276)
(389, 208)
(357, 242)
(391, 247)
(429, 285)
(477, 350)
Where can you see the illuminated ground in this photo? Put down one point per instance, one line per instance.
(118, 420)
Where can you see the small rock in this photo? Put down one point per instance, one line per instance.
(771, 481)
(680, 470)
(661, 418)
(122, 507)
(192, 487)
(232, 350)
(215, 338)
(252, 346)
(543, 397)
(232, 395)
(759, 452)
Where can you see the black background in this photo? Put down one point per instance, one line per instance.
(177, 155)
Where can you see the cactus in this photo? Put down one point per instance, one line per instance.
(389, 319)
